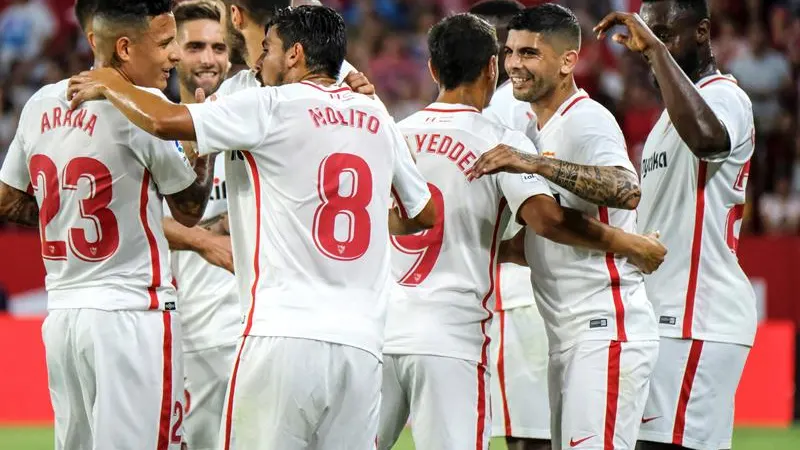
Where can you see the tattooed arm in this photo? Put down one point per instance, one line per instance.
(18, 207)
(187, 206)
(615, 187)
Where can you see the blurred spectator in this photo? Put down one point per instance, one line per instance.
(764, 74)
(25, 27)
(641, 112)
(780, 212)
(796, 166)
(727, 45)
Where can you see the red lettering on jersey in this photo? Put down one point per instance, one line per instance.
(361, 115)
(444, 147)
(78, 122)
(342, 120)
(420, 140)
(317, 117)
(467, 159)
(741, 179)
(330, 114)
(456, 152)
(434, 140)
(68, 118)
(56, 117)
(373, 124)
(45, 123)
(89, 128)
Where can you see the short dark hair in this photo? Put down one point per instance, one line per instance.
(698, 8)
(496, 8)
(320, 30)
(84, 11)
(549, 19)
(261, 11)
(196, 10)
(131, 12)
(461, 46)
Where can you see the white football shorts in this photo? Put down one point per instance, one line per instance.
(447, 399)
(116, 378)
(293, 394)
(598, 390)
(520, 404)
(692, 393)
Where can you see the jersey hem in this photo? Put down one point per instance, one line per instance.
(630, 338)
(319, 337)
(711, 337)
(399, 351)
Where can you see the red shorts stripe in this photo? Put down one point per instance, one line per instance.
(616, 294)
(686, 391)
(697, 245)
(481, 425)
(164, 421)
(231, 390)
(612, 394)
(501, 372)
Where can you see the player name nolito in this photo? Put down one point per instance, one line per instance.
(348, 118)
(63, 117)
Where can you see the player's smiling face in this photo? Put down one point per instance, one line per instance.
(271, 66)
(154, 53)
(204, 55)
(532, 65)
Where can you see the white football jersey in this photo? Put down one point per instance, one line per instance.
(211, 314)
(584, 294)
(513, 288)
(507, 110)
(700, 291)
(447, 273)
(323, 161)
(99, 181)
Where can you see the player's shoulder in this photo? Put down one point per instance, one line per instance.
(333, 96)
(244, 79)
(724, 87)
(52, 91)
(584, 115)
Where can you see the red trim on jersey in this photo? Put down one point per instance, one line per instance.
(697, 244)
(459, 110)
(613, 273)
(29, 189)
(155, 262)
(485, 347)
(165, 419)
(715, 79)
(501, 367)
(572, 103)
(229, 407)
(251, 162)
(329, 90)
(612, 394)
(686, 391)
(403, 212)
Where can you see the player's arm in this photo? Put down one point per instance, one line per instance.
(571, 227)
(18, 206)
(188, 205)
(415, 210)
(214, 248)
(612, 186)
(693, 118)
(400, 225)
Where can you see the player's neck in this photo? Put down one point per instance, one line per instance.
(546, 107)
(316, 78)
(463, 95)
(186, 96)
(707, 67)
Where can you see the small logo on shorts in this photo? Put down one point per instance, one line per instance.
(169, 306)
(598, 323)
(649, 419)
(575, 443)
(667, 320)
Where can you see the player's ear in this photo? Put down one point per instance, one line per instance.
(237, 18)
(433, 72)
(122, 49)
(90, 38)
(568, 61)
(492, 70)
(703, 31)
(294, 55)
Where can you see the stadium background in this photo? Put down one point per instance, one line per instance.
(756, 40)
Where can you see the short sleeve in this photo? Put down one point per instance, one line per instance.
(165, 160)
(734, 110)
(598, 139)
(238, 121)
(15, 167)
(409, 188)
(516, 187)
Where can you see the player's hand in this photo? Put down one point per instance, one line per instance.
(88, 85)
(648, 253)
(199, 95)
(504, 158)
(359, 82)
(217, 251)
(639, 37)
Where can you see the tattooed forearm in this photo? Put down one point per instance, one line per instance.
(18, 207)
(192, 200)
(217, 225)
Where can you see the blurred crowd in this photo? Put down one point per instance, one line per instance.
(758, 41)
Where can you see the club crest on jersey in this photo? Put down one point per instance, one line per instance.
(656, 161)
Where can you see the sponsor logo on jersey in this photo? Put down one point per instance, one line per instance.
(667, 320)
(169, 306)
(219, 191)
(528, 178)
(598, 323)
(656, 161)
(179, 146)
